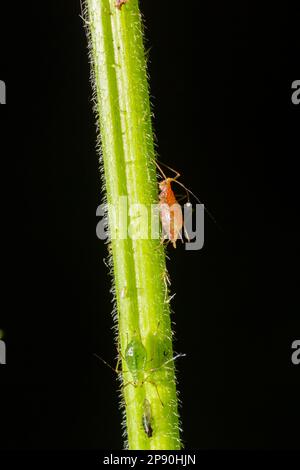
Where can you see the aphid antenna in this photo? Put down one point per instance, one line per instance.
(167, 362)
(198, 200)
(106, 363)
(177, 174)
(188, 191)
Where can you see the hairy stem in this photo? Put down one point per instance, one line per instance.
(140, 279)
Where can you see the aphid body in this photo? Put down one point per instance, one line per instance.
(136, 357)
(170, 211)
(136, 360)
(147, 418)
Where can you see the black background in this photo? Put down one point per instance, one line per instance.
(221, 75)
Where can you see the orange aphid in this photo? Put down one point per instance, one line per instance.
(170, 210)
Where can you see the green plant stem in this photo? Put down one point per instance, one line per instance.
(140, 282)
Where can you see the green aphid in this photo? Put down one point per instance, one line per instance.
(136, 358)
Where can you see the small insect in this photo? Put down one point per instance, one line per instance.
(120, 3)
(136, 360)
(147, 418)
(170, 210)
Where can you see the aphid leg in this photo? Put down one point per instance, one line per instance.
(160, 170)
(179, 235)
(140, 383)
(129, 383)
(165, 240)
(154, 385)
(118, 361)
(120, 355)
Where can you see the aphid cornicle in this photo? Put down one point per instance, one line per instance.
(147, 418)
